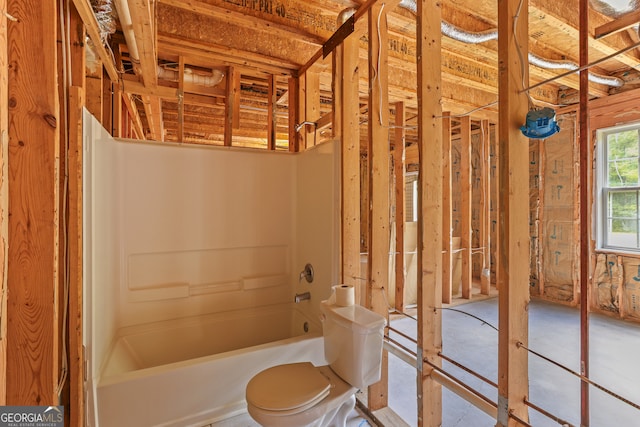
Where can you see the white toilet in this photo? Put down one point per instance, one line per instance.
(300, 394)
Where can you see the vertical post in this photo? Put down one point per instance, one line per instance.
(379, 174)
(399, 172)
(75, 260)
(271, 112)
(294, 145)
(181, 99)
(513, 274)
(349, 113)
(447, 211)
(107, 102)
(93, 94)
(336, 89)
(4, 136)
(430, 149)
(76, 349)
(302, 111)
(312, 102)
(34, 150)
(485, 217)
(232, 105)
(465, 205)
(584, 212)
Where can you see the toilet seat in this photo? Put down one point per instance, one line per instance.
(341, 396)
(288, 389)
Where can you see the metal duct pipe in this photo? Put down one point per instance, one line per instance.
(345, 14)
(190, 77)
(470, 37)
(568, 65)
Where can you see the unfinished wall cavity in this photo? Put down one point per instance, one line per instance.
(558, 257)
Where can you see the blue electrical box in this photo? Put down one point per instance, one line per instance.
(540, 124)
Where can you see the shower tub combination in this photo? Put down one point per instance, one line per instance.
(193, 371)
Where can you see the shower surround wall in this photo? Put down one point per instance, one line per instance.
(174, 231)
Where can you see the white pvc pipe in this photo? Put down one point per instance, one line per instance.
(127, 28)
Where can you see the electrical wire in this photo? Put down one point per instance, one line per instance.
(520, 55)
(66, 48)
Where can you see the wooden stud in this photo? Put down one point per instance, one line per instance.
(134, 116)
(34, 150)
(94, 94)
(513, 274)
(336, 90)
(399, 173)
(349, 113)
(447, 212)
(76, 348)
(485, 202)
(430, 146)
(4, 198)
(379, 174)
(293, 114)
(585, 223)
(271, 112)
(466, 206)
(181, 98)
(302, 112)
(107, 103)
(232, 98)
(312, 110)
(75, 217)
(61, 256)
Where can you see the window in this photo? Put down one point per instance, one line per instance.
(619, 188)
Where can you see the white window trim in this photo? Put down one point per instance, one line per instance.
(600, 200)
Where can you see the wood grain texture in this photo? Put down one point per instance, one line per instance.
(4, 199)
(34, 150)
(430, 146)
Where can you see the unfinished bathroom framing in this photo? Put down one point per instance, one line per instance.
(184, 182)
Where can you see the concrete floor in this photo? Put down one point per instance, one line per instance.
(554, 331)
(355, 419)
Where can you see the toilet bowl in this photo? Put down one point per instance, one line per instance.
(301, 394)
(326, 398)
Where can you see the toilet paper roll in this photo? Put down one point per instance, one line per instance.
(345, 295)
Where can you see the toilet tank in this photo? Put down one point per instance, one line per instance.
(353, 342)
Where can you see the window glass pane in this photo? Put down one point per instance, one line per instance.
(622, 158)
(623, 173)
(622, 224)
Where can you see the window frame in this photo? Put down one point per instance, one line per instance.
(602, 191)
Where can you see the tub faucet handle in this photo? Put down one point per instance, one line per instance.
(307, 273)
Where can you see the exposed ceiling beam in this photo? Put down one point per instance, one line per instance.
(622, 23)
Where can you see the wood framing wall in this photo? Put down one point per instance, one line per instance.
(4, 141)
(502, 207)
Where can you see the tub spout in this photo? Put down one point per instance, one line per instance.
(302, 297)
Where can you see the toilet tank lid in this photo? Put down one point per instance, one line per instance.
(356, 317)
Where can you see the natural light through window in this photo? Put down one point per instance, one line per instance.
(619, 188)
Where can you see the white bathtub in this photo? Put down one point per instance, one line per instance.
(193, 371)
